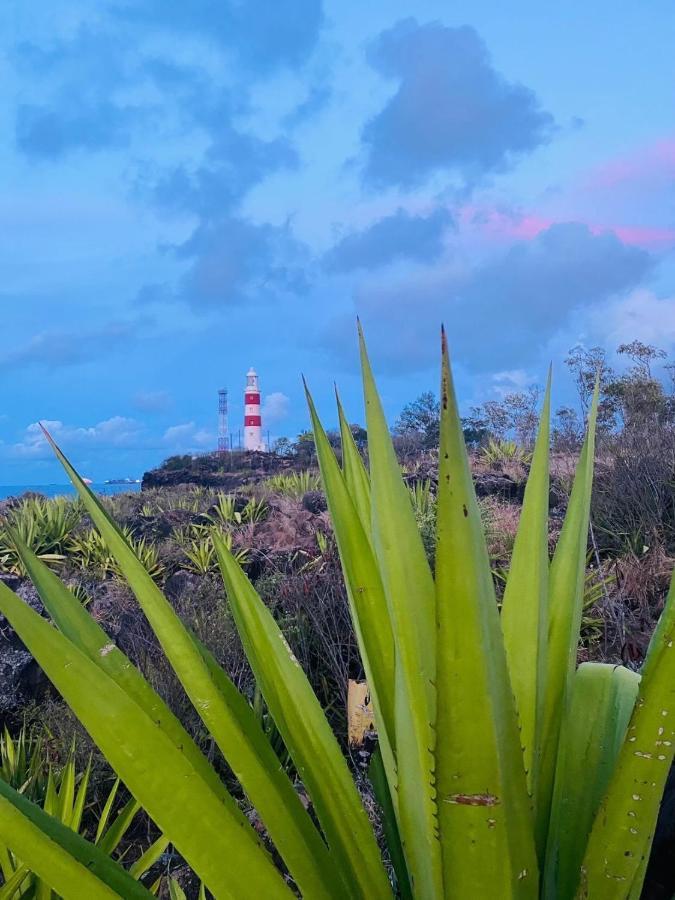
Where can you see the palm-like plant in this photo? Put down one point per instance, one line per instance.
(503, 770)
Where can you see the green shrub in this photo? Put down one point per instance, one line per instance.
(293, 484)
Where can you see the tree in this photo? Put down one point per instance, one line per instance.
(282, 447)
(421, 418)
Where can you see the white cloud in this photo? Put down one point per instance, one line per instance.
(275, 407)
(118, 431)
(179, 434)
(641, 315)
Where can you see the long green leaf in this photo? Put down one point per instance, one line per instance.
(378, 779)
(409, 589)
(270, 792)
(78, 626)
(356, 476)
(106, 811)
(602, 700)
(484, 811)
(367, 601)
(308, 737)
(623, 830)
(566, 592)
(111, 839)
(525, 605)
(58, 856)
(155, 771)
(10, 888)
(81, 798)
(148, 859)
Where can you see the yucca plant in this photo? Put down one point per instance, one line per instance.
(503, 769)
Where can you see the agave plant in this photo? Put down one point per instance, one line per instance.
(498, 452)
(44, 525)
(63, 795)
(503, 769)
(294, 484)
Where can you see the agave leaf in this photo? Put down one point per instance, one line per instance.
(378, 779)
(155, 771)
(594, 726)
(623, 830)
(308, 737)
(356, 476)
(112, 837)
(409, 589)
(286, 793)
(270, 791)
(176, 892)
(566, 592)
(367, 602)
(58, 856)
(148, 859)
(484, 811)
(524, 616)
(105, 812)
(81, 798)
(76, 624)
(12, 884)
(66, 792)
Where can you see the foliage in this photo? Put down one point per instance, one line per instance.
(90, 552)
(293, 484)
(421, 418)
(497, 452)
(44, 525)
(197, 543)
(64, 794)
(504, 770)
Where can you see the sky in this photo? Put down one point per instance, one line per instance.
(191, 189)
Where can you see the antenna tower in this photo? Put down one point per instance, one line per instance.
(223, 431)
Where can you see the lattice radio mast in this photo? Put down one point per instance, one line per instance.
(223, 430)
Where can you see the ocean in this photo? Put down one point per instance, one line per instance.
(67, 490)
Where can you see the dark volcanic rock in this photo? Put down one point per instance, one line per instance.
(228, 481)
(314, 502)
(495, 484)
(21, 679)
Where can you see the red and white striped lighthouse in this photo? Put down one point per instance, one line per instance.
(252, 420)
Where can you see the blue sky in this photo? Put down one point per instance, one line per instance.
(190, 189)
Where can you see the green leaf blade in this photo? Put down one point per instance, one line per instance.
(594, 726)
(484, 813)
(409, 589)
(158, 775)
(307, 735)
(524, 617)
(60, 857)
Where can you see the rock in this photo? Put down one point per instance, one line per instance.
(314, 502)
(494, 484)
(21, 679)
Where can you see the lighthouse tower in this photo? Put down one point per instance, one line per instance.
(252, 421)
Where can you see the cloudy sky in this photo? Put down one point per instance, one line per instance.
(189, 189)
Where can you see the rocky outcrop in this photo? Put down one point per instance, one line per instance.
(21, 679)
(228, 472)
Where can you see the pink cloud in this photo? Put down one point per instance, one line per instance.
(652, 163)
(499, 224)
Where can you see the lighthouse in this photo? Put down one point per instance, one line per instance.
(252, 421)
